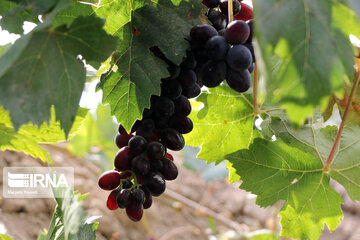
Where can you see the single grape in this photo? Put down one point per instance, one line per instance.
(212, 3)
(135, 126)
(251, 68)
(109, 180)
(201, 33)
(171, 89)
(135, 211)
(187, 78)
(123, 199)
(122, 130)
(224, 7)
(140, 165)
(213, 73)
(172, 139)
(237, 32)
(156, 165)
(165, 106)
(137, 144)
(239, 58)
(148, 125)
(169, 156)
(240, 81)
(148, 198)
(155, 183)
(174, 71)
(189, 62)
(245, 14)
(182, 106)
(156, 150)
(217, 19)
(122, 140)
(123, 159)
(111, 200)
(138, 196)
(250, 46)
(169, 171)
(216, 48)
(251, 27)
(191, 92)
(181, 124)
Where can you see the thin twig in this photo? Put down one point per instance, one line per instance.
(190, 203)
(343, 121)
(230, 11)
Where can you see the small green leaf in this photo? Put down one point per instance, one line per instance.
(5, 237)
(51, 73)
(316, 57)
(28, 137)
(139, 26)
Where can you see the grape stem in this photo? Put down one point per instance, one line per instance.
(343, 121)
(255, 91)
(230, 10)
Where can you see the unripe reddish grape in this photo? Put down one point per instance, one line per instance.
(169, 156)
(123, 159)
(109, 180)
(245, 14)
(237, 32)
(122, 140)
(170, 171)
(111, 201)
(135, 211)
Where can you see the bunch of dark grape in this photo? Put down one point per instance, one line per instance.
(142, 165)
(224, 50)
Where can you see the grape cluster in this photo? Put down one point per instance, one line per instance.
(224, 50)
(142, 165)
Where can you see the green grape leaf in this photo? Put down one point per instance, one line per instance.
(282, 172)
(51, 73)
(137, 73)
(5, 237)
(315, 55)
(354, 4)
(223, 125)
(28, 137)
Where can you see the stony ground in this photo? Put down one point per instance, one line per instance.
(180, 214)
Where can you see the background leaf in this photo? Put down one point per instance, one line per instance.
(51, 73)
(316, 56)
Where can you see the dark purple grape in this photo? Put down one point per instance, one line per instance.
(191, 92)
(187, 78)
(251, 27)
(182, 106)
(213, 73)
(165, 106)
(111, 200)
(137, 144)
(237, 32)
(123, 158)
(169, 171)
(138, 196)
(135, 126)
(212, 3)
(216, 48)
(189, 62)
(224, 7)
(156, 150)
(251, 68)
(217, 19)
(140, 165)
(148, 125)
(181, 124)
(123, 199)
(127, 184)
(155, 183)
(174, 71)
(222, 32)
(122, 140)
(239, 58)
(148, 198)
(156, 165)
(122, 130)
(250, 46)
(109, 180)
(171, 89)
(161, 121)
(147, 113)
(172, 139)
(240, 81)
(201, 33)
(135, 211)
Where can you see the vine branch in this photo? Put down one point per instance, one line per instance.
(230, 11)
(343, 121)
